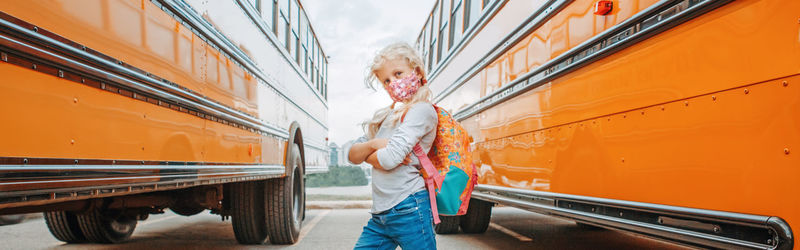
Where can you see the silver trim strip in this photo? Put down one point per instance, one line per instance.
(536, 20)
(201, 28)
(195, 101)
(473, 30)
(653, 20)
(74, 182)
(673, 210)
(548, 203)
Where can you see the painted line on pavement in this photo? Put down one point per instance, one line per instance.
(158, 220)
(307, 228)
(509, 232)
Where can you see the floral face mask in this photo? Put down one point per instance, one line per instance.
(404, 88)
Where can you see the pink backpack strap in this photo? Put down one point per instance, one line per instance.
(433, 181)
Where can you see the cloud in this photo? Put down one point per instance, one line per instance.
(350, 32)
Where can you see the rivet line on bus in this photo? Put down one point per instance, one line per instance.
(207, 106)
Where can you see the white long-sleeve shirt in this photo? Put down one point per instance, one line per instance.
(396, 182)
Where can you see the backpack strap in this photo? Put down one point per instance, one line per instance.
(433, 181)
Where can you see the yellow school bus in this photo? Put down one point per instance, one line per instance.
(674, 119)
(114, 110)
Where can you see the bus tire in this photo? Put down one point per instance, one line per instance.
(448, 225)
(64, 226)
(286, 201)
(477, 218)
(101, 226)
(11, 219)
(248, 212)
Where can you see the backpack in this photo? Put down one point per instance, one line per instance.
(447, 169)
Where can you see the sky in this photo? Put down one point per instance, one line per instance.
(351, 32)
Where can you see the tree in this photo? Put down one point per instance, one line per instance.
(338, 176)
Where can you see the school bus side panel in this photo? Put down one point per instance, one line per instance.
(703, 115)
(96, 124)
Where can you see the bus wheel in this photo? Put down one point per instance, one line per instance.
(448, 225)
(64, 226)
(286, 202)
(247, 210)
(103, 226)
(11, 219)
(477, 218)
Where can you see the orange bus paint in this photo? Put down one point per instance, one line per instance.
(140, 130)
(703, 115)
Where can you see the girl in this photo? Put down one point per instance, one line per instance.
(401, 212)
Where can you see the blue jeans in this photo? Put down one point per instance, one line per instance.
(409, 224)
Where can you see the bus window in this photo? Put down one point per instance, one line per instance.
(435, 24)
(431, 55)
(319, 54)
(294, 15)
(281, 27)
(424, 42)
(439, 47)
(455, 25)
(474, 12)
(284, 7)
(446, 9)
(287, 33)
(301, 47)
(268, 13)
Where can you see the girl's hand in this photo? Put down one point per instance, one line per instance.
(372, 159)
(359, 152)
(407, 160)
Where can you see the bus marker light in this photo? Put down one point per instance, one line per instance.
(603, 7)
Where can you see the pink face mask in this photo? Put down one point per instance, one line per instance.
(404, 88)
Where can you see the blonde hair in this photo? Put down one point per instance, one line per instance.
(390, 114)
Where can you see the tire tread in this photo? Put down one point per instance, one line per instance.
(448, 225)
(280, 221)
(477, 218)
(97, 230)
(64, 226)
(248, 212)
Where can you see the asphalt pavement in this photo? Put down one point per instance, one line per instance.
(511, 228)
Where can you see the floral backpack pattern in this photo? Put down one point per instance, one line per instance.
(447, 168)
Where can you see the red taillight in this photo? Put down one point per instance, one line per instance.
(603, 7)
